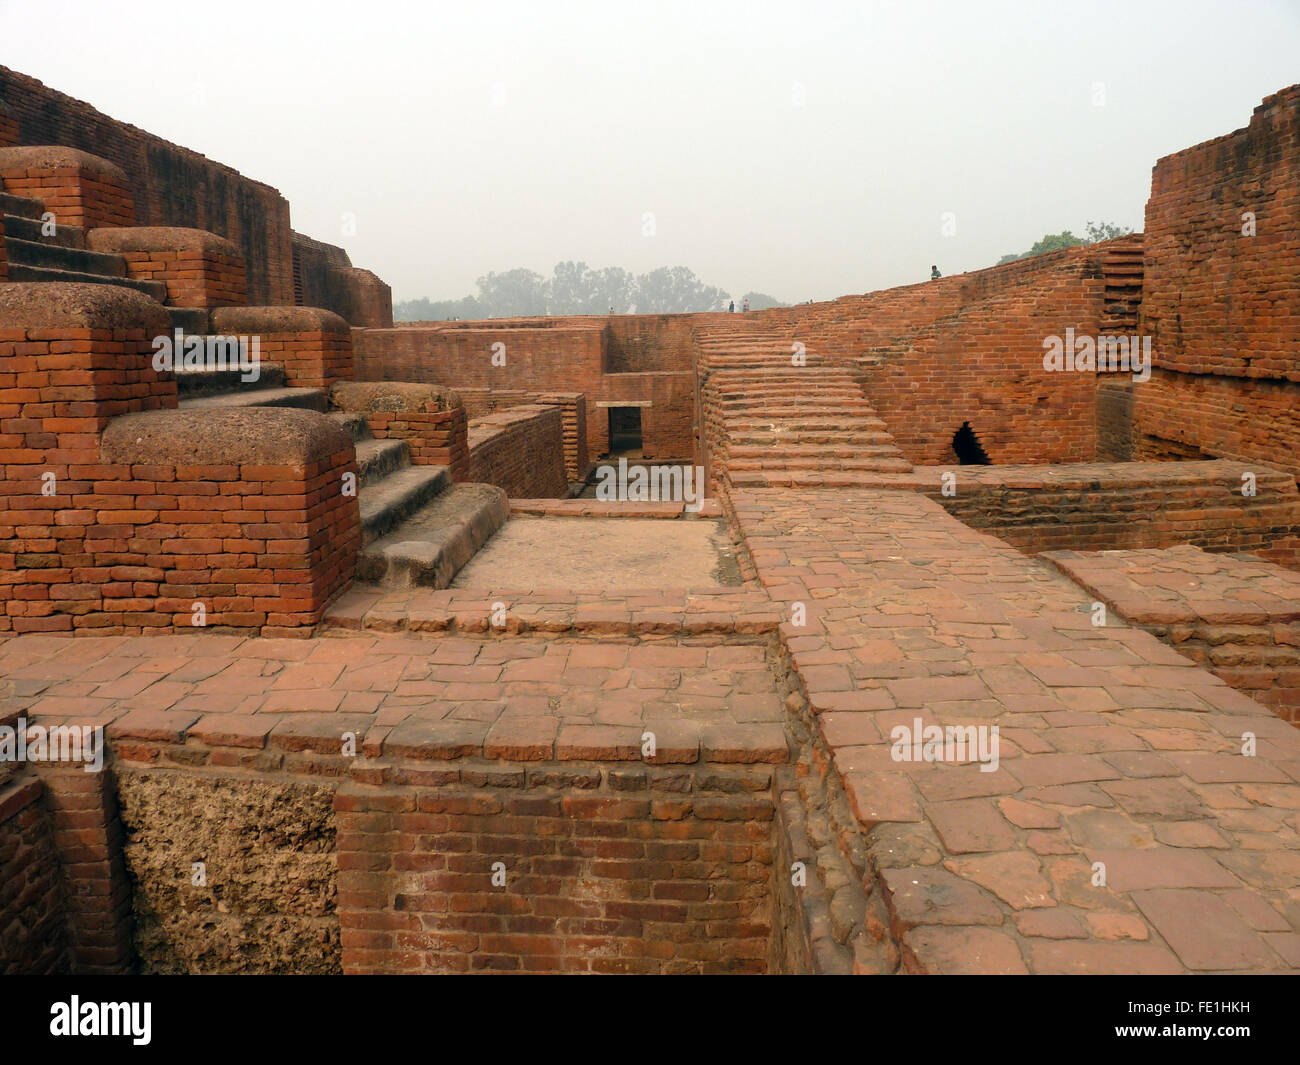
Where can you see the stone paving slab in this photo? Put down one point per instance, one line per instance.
(406, 695)
(1117, 755)
(1237, 615)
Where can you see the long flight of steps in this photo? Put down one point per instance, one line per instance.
(777, 424)
(417, 528)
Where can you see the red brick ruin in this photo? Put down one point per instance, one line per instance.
(323, 752)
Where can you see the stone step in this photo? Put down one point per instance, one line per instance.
(431, 546)
(302, 398)
(803, 436)
(21, 206)
(353, 423)
(386, 503)
(376, 459)
(884, 459)
(21, 272)
(19, 227)
(799, 417)
(791, 410)
(194, 384)
(193, 320)
(868, 441)
(817, 478)
(58, 257)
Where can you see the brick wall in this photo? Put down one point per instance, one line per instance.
(199, 269)
(543, 356)
(8, 126)
(4, 256)
(430, 419)
(573, 416)
(173, 186)
(32, 930)
(1126, 506)
(1180, 415)
(125, 526)
(606, 870)
(983, 364)
(80, 189)
(262, 535)
(313, 345)
(521, 451)
(323, 276)
(1115, 402)
(1222, 305)
(645, 342)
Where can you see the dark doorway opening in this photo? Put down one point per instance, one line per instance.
(625, 431)
(967, 445)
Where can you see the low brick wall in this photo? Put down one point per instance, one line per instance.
(606, 870)
(573, 408)
(199, 269)
(263, 536)
(313, 345)
(119, 513)
(1098, 507)
(520, 450)
(430, 419)
(32, 932)
(79, 188)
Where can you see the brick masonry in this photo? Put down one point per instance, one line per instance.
(33, 936)
(199, 269)
(520, 450)
(1222, 252)
(77, 188)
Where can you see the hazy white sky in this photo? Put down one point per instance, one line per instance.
(806, 149)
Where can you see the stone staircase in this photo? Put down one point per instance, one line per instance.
(62, 256)
(417, 528)
(772, 423)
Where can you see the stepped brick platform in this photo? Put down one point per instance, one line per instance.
(715, 611)
(598, 508)
(1114, 750)
(1239, 617)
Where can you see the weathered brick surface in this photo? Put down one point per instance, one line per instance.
(131, 539)
(32, 915)
(199, 269)
(573, 415)
(313, 345)
(547, 355)
(637, 871)
(520, 450)
(79, 189)
(323, 276)
(1222, 305)
(170, 185)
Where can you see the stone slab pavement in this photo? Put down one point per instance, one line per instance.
(1124, 829)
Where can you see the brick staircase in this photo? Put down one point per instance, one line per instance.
(771, 423)
(1122, 272)
(62, 256)
(417, 527)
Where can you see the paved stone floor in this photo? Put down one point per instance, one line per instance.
(1118, 755)
(426, 691)
(592, 554)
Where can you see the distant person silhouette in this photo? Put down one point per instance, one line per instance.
(934, 273)
(731, 307)
(746, 308)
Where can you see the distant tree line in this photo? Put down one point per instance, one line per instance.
(575, 288)
(1096, 231)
